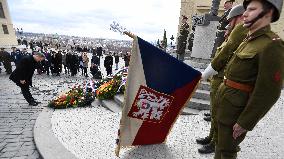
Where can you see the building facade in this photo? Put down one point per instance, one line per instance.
(199, 7)
(7, 33)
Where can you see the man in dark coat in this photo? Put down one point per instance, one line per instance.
(47, 62)
(95, 63)
(108, 62)
(126, 59)
(116, 60)
(58, 63)
(99, 51)
(68, 61)
(13, 54)
(74, 60)
(23, 74)
(6, 59)
(95, 60)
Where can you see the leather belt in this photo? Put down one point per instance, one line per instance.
(239, 86)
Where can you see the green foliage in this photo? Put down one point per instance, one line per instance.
(165, 41)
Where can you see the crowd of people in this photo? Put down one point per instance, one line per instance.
(71, 62)
(54, 61)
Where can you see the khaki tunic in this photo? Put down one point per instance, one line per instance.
(219, 62)
(258, 62)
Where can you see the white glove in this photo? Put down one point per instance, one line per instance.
(208, 72)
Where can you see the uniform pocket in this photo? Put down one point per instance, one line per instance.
(246, 54)
(231, 105)
(236, 97)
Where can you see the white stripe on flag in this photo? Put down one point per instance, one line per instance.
(135, 78)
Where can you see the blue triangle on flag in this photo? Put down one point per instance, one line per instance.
(163, 72)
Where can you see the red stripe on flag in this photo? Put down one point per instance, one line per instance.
(155, 133)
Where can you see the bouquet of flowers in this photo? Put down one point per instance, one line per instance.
(76, 97)
(123, 74)
(109, 89)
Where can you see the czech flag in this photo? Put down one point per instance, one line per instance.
(158, 87)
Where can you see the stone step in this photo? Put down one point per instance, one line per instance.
(111, 105)
(204, 86)
(119, 98)
(199, 60)
(196, 65)
(189, 111)
(202, 94)
(199, 104)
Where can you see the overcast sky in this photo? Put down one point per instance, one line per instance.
(91, 18)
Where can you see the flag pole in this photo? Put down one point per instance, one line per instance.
(116, 27)
(128, 33)
(117, 150)
(118, 147)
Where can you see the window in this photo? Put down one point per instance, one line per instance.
(2, 15)
(5, 29)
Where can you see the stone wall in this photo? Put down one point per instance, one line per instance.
(7, 40)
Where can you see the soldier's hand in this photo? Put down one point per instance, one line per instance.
(238, 131)
(22, 81)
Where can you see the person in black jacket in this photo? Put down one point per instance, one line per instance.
(116, 60)
(23, 74)
(6, 59)
(95, 64)
(74, 60)
(108, 62)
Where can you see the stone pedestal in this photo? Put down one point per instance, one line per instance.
(204, 39)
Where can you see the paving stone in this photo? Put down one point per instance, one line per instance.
(15, 144)
(3, 133)
(15, 132)
(27, 138)
(2, 145)
(11, 136)
(8, 154)
(28, 143)
(14, 148)
(24, 152)
(19, 157)
(13, 140)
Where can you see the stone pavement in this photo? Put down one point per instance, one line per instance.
(17, 118)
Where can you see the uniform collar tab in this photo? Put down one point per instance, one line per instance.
(259, 32)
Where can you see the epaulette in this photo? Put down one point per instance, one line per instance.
(273, 36)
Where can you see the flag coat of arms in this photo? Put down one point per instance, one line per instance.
(158, 87)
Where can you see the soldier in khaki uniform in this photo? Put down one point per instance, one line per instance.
(221, 28)
(182, 39)
(236, 35)
(253, 78)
